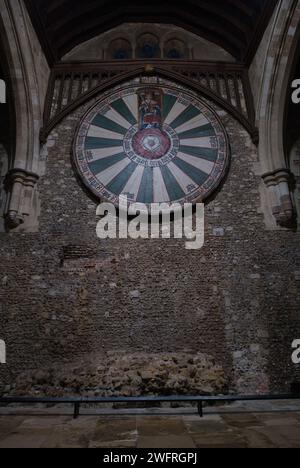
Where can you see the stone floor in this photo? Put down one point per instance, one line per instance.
(265, 425)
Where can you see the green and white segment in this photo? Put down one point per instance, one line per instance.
(187, 170)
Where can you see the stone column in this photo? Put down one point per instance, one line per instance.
(295, 168)
(270, 75)
(28, 75)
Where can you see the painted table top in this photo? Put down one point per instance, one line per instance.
(153, 143)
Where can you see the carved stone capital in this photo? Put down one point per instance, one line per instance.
(21, 185)
(278, 185)
(278, 175)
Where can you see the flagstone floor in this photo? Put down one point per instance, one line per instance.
(265, 425)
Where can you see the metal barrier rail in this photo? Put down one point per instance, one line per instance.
(78, 401)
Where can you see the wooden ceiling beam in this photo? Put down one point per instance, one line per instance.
(235, 25)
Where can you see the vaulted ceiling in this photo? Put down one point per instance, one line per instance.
(235, 25)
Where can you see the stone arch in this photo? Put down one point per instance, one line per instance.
(295, 168)
(275, 87)
(292, 133)
(149, 70)
(6, 135)
(28, 73)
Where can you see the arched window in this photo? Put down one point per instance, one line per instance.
(176, 49)
(120, 49)
(148, 47)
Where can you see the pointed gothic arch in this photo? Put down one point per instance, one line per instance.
(17, 42)
(236, 76)
(275, 90)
